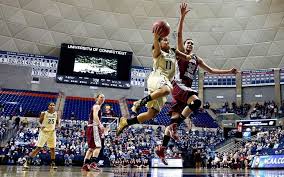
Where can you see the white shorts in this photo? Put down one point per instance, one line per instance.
(46, 137)
(154, 82)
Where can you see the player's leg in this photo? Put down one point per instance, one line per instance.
(91, 145)
(158, 87)
(87, 159)
(30, 157)
(42, 139)
(161, 92)
(94, 159)
(51, 143)
(98, 144)
(124, 122)
(193, 104)
(188, 97)
(154, 106)
(160, 150)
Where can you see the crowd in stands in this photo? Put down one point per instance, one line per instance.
(241, 110)
(267, 110)
(270, 142)
(71, 144)
(135, 147)
(4, 126)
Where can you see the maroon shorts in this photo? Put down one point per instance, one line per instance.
(180, 93)
(90, 137)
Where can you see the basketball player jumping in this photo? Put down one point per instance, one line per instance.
(187, 100)
(159, 81)
(49, 120)
(94, 134)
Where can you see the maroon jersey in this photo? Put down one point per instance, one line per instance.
(186, 70)
(91, 117)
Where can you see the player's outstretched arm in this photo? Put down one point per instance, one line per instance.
(156, 51)
(183, 11)
(207, 68)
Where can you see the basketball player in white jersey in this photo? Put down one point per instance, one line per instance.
(48, 120)
(186, 99)
(159, 81)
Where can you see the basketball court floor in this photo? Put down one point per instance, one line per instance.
(44, 171)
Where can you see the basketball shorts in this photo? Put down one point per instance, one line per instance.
(94, 136)
(48, 137)
(180, 93)
(155, 81)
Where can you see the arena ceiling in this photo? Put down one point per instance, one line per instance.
(246, 34)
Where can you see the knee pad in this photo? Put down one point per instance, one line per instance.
(194, 105)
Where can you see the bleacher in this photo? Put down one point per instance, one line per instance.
(203, 119)
(25, 102)
(81, 106)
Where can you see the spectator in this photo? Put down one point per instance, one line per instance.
(1, 109)
(73, 116)
(108, 112)
(25, 122)
(17, 121)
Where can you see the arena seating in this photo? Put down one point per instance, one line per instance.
(202, 119)
(24, 102)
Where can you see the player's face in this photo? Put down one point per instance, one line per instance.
(165, 43)
(188, 45)
(51, 107)
(101, 99)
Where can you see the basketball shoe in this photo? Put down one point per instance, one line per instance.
(122, 125)
(160, 151)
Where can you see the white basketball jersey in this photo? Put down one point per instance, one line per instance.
(49, 121)
(166, 64)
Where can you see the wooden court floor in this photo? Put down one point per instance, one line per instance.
(45, 171)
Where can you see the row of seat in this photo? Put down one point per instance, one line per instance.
(31, 103)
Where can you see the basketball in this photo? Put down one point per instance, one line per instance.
(165, 28)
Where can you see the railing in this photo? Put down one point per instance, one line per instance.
(224, 144)
(110, 125)
(235, 146)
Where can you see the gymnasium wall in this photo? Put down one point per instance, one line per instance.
(211, 94)
(252, 94)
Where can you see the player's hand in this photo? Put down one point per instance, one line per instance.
(41, 127)
(183, 9)
(233, 71)
(58, 127)
(101, 128)
(157, 31)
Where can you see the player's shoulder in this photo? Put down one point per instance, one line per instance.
(95, 106)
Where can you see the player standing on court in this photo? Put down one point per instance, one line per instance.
(94, 133)
(48, 120)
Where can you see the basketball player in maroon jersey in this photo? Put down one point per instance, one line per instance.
(186, 99)
(94, 133)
